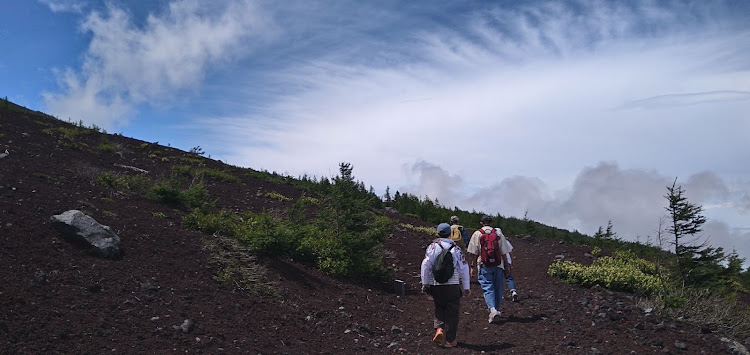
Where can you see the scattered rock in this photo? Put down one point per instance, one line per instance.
(657, 342)
(146, 287)
(735, 347)
(680, 345)
(396, 330)
(82, 229)
(185, 327)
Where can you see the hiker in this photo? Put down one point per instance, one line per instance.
(509, 272)
(487, 248)
(459, 235)
(446, 295)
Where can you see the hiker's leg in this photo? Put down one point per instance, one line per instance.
(439, 298)
(452, 308)
(486, 278)
(499, 283)
(511, 282)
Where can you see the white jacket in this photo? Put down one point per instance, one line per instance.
(460, 267)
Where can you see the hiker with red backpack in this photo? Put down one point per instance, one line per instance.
(488, 247)
(445, 277)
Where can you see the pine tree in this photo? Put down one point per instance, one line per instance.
(687, 220)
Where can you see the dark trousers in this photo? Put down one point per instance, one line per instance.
(447, 300)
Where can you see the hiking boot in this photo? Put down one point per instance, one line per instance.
(514, 296)
(450, 344)
(439, 337)
(494, 317)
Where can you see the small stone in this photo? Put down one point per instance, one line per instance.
(187, 326)
(396, 330)
(680, 345)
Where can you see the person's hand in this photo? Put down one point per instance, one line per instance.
(467, 293)
(426, 289)
(508, 270)
(472, 272)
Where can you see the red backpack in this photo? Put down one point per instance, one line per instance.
(490, 248)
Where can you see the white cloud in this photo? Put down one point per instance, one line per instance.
(76, 6)
(633, 199)
(127, 65)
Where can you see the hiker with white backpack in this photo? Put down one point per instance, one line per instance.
(488, 247)
(445, 277)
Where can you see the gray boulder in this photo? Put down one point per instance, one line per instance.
(84, 230)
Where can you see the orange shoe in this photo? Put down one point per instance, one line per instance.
(450, 344)
(439, 337)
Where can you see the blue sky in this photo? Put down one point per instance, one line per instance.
(575, 112)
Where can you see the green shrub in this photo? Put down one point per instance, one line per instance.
(623, 272)
(219, 175)
(166, 193)
(184, 171)
(138, 184)
(106, 148)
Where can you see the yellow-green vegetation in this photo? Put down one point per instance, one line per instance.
(104, 147)
(218, 175)
(67, 136)
(277, 196)
(595, 251)
(307, 200)
(623, 271)
(428, 230)
(109, 213)
(159, 215)
(139, 184)
(191, 159)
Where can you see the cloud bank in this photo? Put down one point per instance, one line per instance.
(127, 65)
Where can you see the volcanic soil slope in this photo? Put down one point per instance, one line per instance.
(163, 296)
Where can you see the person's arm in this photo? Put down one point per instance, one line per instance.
(426, 266)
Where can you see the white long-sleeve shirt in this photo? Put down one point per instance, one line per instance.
(460, 267)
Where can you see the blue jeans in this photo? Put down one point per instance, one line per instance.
(509, 280)
(492, 280)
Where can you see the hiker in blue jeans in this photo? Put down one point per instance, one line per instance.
(509, 275)
(488, 247)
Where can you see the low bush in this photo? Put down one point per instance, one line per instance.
(218, 175)
(623, 271)
(428, 230)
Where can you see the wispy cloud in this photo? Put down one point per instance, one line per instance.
(126, 65)
(662, 101)
(75, 6)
